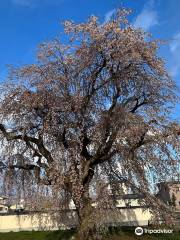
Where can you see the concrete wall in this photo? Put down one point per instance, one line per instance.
(137, 216)
(27, 223)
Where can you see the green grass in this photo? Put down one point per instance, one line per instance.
(115, 234)
(55, 235)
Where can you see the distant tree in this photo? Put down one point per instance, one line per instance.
(96, 108)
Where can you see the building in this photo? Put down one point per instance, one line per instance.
(9, 206)
(3, 200)
(169, 193)
(129, 213)
(3, 205)
(3, 209)
(126, 196)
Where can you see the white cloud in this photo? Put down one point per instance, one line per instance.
(109, 15)
(147, 18)
(175, 51)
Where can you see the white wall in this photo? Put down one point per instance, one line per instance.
(136, 216)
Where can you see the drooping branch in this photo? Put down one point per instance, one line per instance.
(153, 201)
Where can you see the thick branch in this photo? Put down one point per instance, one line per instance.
(85, 142)
(138, 105)
(38, 142)
(27, 167)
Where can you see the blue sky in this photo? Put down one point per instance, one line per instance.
(26, 23)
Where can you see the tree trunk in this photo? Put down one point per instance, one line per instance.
(87, 229)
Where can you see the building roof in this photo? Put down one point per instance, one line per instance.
(3, 197)
(130, 196)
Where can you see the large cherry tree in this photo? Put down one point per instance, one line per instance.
(97, 107)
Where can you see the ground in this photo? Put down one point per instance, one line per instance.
(125, 234)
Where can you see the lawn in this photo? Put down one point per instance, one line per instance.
(124, 234)
(55, 235)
